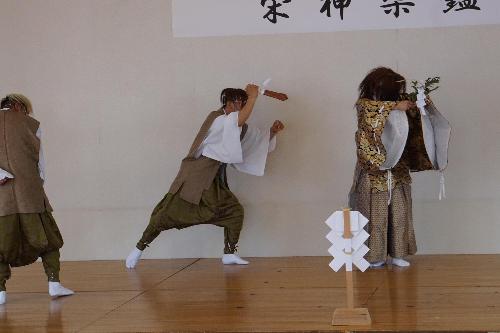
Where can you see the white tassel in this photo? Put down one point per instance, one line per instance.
(389, 186)
(442, 187)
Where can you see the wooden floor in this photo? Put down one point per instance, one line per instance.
(437, 293)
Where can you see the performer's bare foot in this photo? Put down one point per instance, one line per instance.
(3, 297)
(56, 289)
(377, 264)
(133, 258)
(233, 259)
(400, 262)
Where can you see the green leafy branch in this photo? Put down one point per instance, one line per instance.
(430, 85)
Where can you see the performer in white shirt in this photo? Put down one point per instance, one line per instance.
(27, 228)
(200, 193)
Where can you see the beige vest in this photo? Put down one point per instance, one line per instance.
(197, 174)
(19, 152)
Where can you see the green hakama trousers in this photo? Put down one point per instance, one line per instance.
(26, 237)
(218, 206)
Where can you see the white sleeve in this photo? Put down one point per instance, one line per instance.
(41, 158)
(256, 145)
(223, 140)
(394, 138)
(272, 143)
(4, 174)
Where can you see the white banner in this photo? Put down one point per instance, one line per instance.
(194, 18)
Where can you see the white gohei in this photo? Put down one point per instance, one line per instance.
(265, 84)
(348, 251)
(348, 237)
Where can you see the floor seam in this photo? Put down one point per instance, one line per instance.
(136, 296)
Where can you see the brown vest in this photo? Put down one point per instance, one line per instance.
(19, 152)
(197, 174)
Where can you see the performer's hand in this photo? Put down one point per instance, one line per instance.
(252, 90)
(404, 105)
(277, 127)
(4, 181)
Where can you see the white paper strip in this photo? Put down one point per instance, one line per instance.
(195, 18)
(348, 251)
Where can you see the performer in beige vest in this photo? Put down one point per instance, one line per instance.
(200, 193)
(27, 229)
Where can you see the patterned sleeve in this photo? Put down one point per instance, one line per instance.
(372, 116)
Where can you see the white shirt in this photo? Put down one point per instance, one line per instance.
(223, 144)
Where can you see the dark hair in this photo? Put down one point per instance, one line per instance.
(5, 103)
(382, 84)
(233, 95)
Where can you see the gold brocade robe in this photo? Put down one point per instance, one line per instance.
(372, 117)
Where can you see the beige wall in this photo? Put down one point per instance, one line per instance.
(120, 101)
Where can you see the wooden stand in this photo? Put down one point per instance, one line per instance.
(350, 315)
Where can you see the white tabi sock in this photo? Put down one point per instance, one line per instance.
(57, 290)
(377, 264)
(233, 259)
(133, 258)
(3, 297)
(400, 262)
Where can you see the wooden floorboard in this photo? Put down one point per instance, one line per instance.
(428, 308)
(273, 273)
(36, 312)
(214, 310)
(98, 275)
(454, 293)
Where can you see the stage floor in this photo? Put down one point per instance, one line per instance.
(437, 293)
